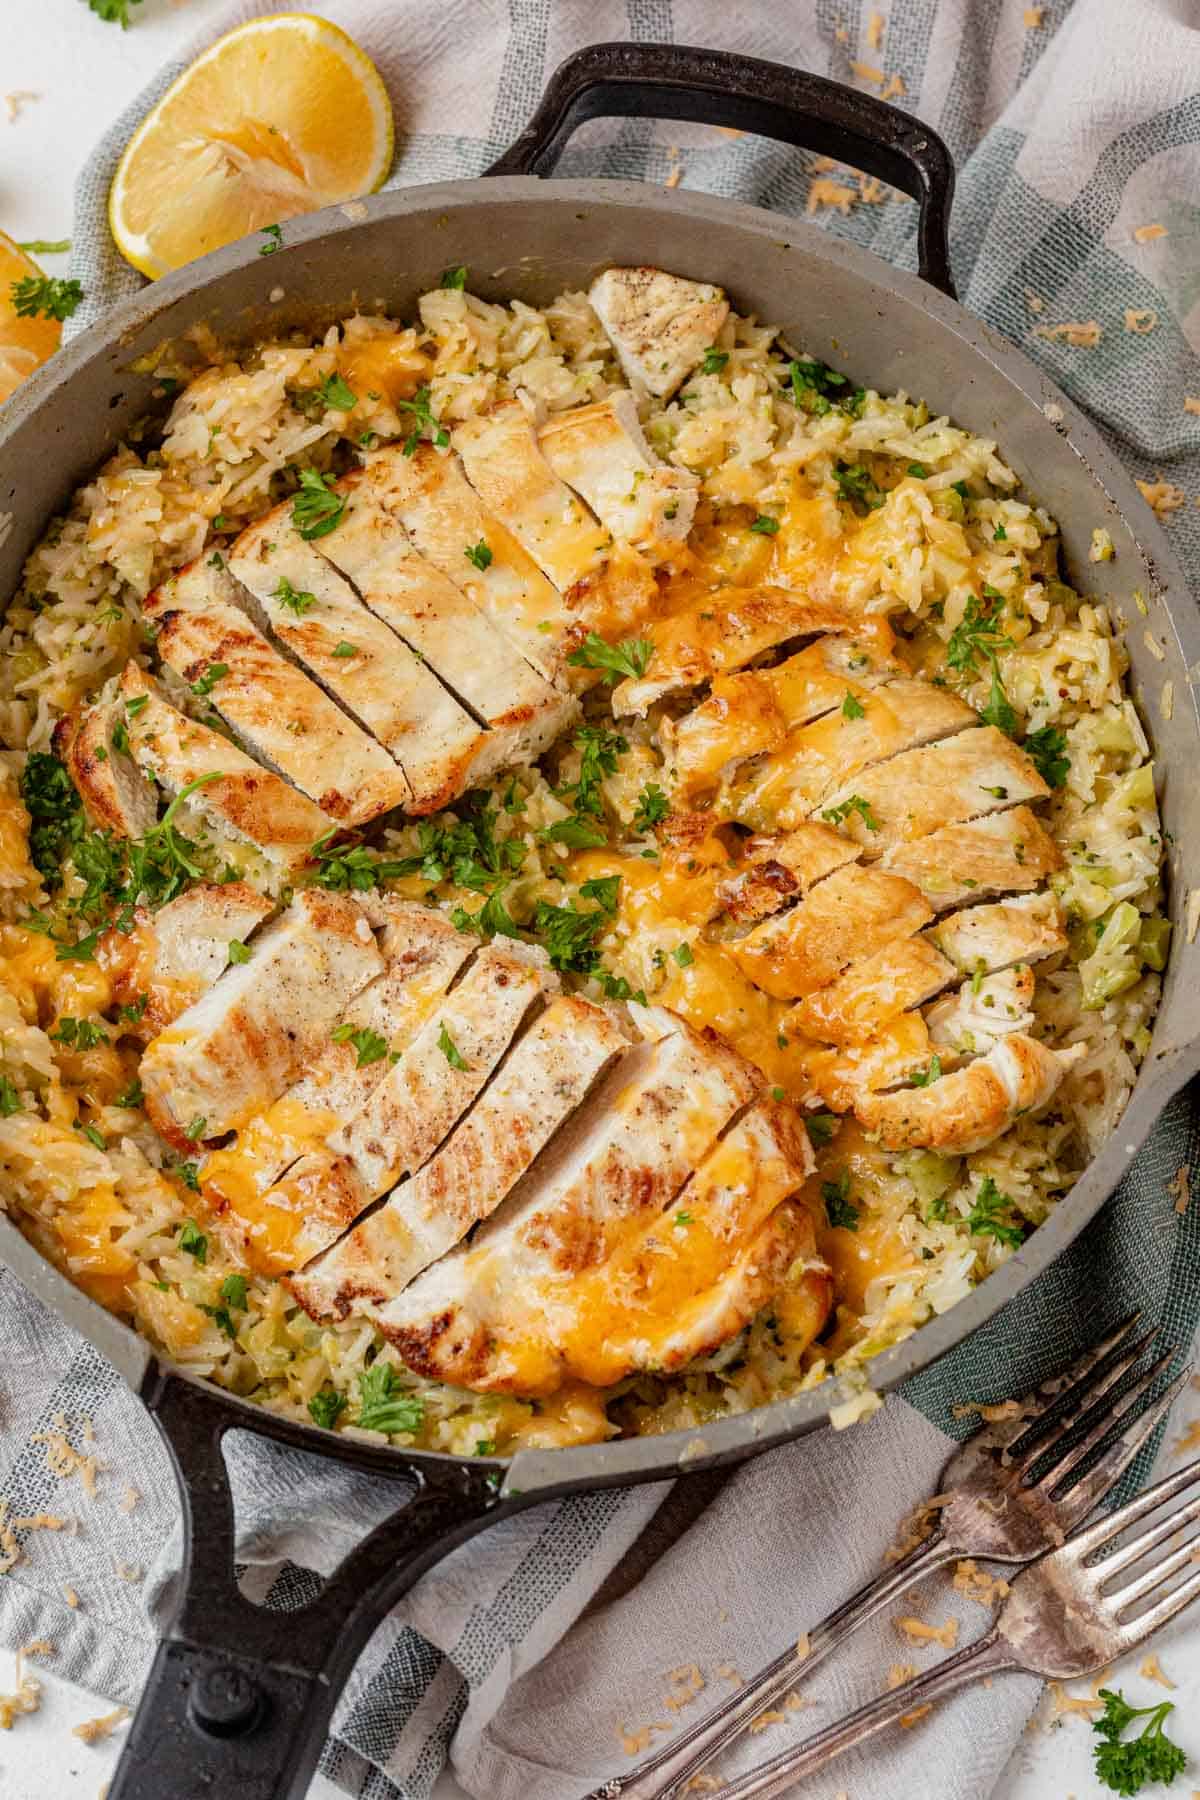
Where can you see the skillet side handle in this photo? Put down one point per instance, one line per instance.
(239, 1699)
(745, 93)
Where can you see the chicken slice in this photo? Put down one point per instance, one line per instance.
(243, 801)
(971, 1107)
(784, 868)
(963, 778)
(523, 712)
(115, 794)
(987, 938)
(601, 452)
(235, 1050)
(660, 325)
(751, 713)
(373, 674)
(449, 525)
(422, 954)
(852, 1008)
(162, 963)
(781, 789)
(985, 1009)
(540, 1083)
(503, 463)
(718, 632)
(900, 1050)
(423, 1094)
(844, 920)
(677, 1280)
(276, 710)
(1008, 852)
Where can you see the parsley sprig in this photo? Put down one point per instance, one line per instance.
(1127, 1767)
(384, 1405)
(1047, 750)
(45, 296)
(316, 510)
(629, 659)
(979, 638)
(425, 422)
(838, 1207)
(985, 1217)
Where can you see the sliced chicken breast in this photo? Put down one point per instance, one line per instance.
(484, 1315)
(279, 1227)
(971, 1021)
(660, 325)
(987, 938)
(116, 796)
(243, 801)
(844, 920)
(522, 711)
(965, 777)
(504, 464)
(450, 526)
(782, 869)
(852, 1008)
(1008, 852)
(751, 713)
(235, 1050)
(718, 632)
(970, 1108)
(418, 1101)
(601, 451)
(281, 715)
(373, 674)
(842, 1074)
(779, 790)
(540, 1083)
(171, 956)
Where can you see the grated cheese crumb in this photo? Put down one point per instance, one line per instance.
(130, 1498)
(978, 1585)
(1163, 497)
(893, 88)
(803, 1646)
(994, 1415)
(729, 131)
(634, 1743)
(1152, 1670)
(1189, 1441)
(1067, 1705)
(865, 72)
(875, 31)
(1140, 319)
(17, 100)
(1101, 547)
(1191, 403)
(704, 1784)
(26, 1699)
(38, 1647)
(94, 1731)
(918, 1632)
(1146, 234)
(71, 1598)
(899, 1673)
(915, 1528)
(1034, 302)
(1139, 600)
(1167, 703)
(906, 1721)
(729, 1673)
(822, 192)
(1032, 17)
(859, 1406)
(62, 1458)
(128, 1571)
(686, 1683)
(1180, 1185)
(772, 1716)
(1081, 334)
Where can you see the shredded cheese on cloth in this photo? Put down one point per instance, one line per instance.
(918, 1632)
(1081, 334)
(1140, 319)
(1180, 1185)
(978, 1585)
(26, 1699)
(1189, 1441)
(1146, 234)
(93, 1731)
(1152, 1670)
(1163, 497)
(62, 1458)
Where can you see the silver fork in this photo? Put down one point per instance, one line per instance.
(1007, 1504)
(1063, 1618)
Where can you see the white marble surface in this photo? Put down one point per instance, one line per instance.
(82, 73)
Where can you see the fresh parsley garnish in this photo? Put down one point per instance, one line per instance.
(383, 1405)
(576, 832)
(208, 681)
(335, 393)
(714, 362)
(978, 637)
(131, 1096)
(189, 1174)
(682, 954)
(93, 1134)
(55, 813)
(1047, 750)
(80, 1034)
(326, 1407)
(765, 525)
(450, 1049)
(294, 600)
(478, 555)
(192, 1239)
(856, 485)
(196, 1129)
(984, 1218)
(852, 708)
(814, 385)
(492, 920)
(821, 1126)
(1127, 1767)
(837, 815)
(569, 936)
(237, 952)
(998, 711)
(274, 237)
(652, 808)
(370, 1046)
(45, 296)
(629, 659)
(598, 753)
(923, 1077)
(344, 649)
(10, 1100)
(604, 890)
(455, 278)
(233, 1292)
(423, 421)
(838, 1209)
(316, 511)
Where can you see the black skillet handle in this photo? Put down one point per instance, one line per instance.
(716, 87)
(239, 1698)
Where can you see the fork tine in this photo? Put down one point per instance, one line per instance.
(1081, 1382)
(1100, 1419)
(1094, 1537)
(1135, 1631)
(1083, 1494)
(1144, 1584)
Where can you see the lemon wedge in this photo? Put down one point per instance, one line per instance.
(25, 344)
(281, 116)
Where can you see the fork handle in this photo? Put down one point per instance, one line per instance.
(665, 1774)
(989, 1655)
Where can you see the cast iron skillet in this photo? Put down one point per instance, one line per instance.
(239, 1699)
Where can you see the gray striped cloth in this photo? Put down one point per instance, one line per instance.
(537, 1658)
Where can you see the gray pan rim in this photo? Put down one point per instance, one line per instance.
(1167, 1066)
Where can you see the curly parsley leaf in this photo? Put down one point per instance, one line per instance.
(450, 1049)
(569, 936)
(977, 635)
(336, 394)
(383, 1405)
(628, 660)
(858, 486)
(326, 1407)
(193, 1240)
(370, 1046)
(851, 707)
(598, 753)
(985, 1217)
(45, 296)
(316, 510)
(1047, 750)
(815, 385)
(10, 1100)
(274, 237)
(455, 278)
(424, 422)
(838, 1208)
(652, 808)
(297, 601)
(837, 815)
(1127, 1767)
(55, 813)
(479, 555)
(576, 832)
(714, 362)
(492, 920)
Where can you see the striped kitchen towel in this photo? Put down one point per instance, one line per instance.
(537, 1659)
